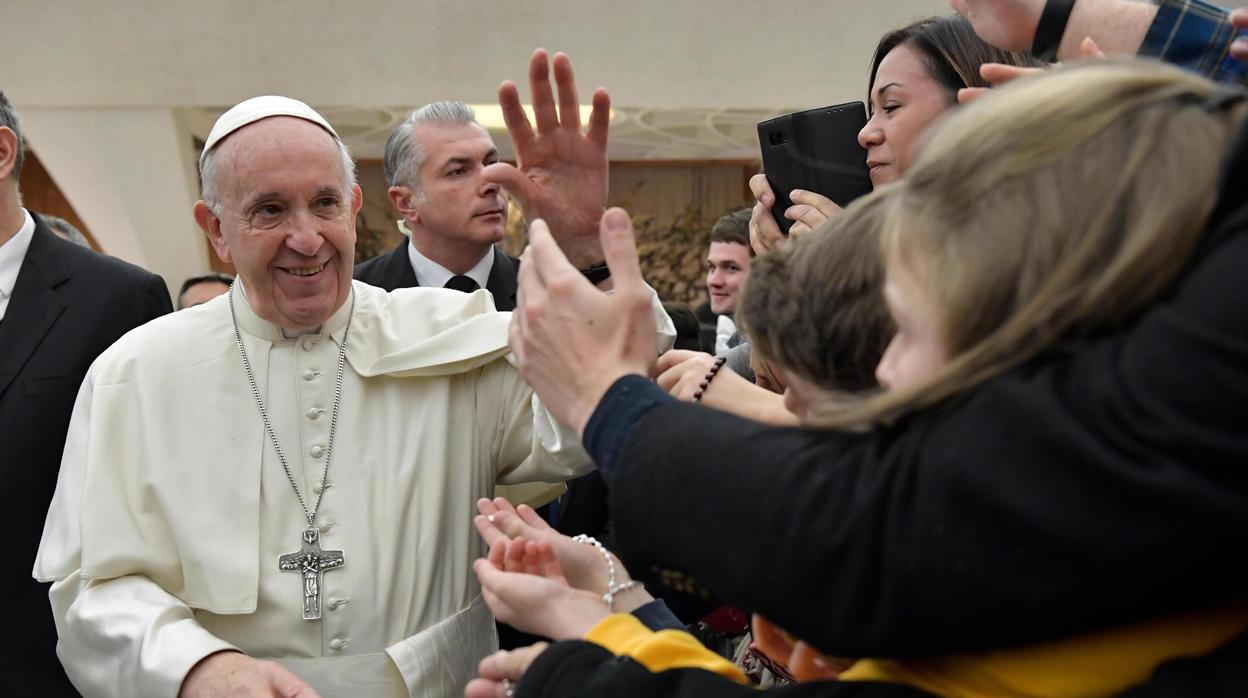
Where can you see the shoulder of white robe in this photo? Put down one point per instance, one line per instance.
(174, 340)
(424, 331)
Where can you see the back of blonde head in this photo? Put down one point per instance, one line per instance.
(1054, 211)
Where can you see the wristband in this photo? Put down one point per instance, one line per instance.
(1050, 29)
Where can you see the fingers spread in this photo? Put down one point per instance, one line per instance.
(600, 117)
(541, 94)
(513, 115)
(565, 82)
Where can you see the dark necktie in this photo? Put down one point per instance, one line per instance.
(462, 283)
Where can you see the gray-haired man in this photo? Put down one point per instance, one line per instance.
(434, 162)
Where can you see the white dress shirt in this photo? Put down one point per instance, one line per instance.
(431, 274)
(725, 328)
(12, 253)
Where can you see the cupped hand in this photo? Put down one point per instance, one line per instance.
(572, 341)
(522, 584)
(236, 675)
(581, 565)
(561, 173)
(509, 665)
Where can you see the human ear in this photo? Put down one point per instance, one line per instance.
(357, 200)
(211, 225)
(404, 201)
(8, 151)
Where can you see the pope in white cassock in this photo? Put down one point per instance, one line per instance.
(289, 471)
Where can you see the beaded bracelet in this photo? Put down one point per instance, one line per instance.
(710, 376)
(612, 589)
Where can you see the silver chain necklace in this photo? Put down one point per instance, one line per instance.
(310, 561)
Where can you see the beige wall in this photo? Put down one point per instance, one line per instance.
(656, 53)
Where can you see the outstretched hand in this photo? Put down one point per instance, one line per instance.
(524, 587)
(499, 667)
(681, 373)
(1001, 73)
(572, 341)
(581, 565)
(561, 173)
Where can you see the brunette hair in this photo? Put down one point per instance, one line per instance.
(733, 227)
(1055, 211)
(816, 307)
(951, 51)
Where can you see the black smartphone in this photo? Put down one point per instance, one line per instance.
(816, 150)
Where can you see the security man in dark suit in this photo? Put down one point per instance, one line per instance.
(434, 162)
(60, 306)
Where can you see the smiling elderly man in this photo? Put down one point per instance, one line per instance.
(317, 508)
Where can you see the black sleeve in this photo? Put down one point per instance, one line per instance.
(1219, 673)
(1084, 489)
(155, 300)
(584, 669)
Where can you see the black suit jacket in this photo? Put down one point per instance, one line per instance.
(68, 305)
(394, 270)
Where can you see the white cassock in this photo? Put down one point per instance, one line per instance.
(172, 508)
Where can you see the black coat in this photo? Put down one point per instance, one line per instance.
(394, 270)
(68, 305)
(1087, 488)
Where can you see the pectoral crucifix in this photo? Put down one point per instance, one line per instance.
(311, 562)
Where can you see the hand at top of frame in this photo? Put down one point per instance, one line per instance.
(561, 173)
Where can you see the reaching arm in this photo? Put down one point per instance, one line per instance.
(1191, 34)
(1083, 490)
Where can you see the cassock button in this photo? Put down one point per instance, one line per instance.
(318, 451)
(336, 644)
(309, 344)
(326, 525)
(310, 374)
(315, 413)
(318, 487)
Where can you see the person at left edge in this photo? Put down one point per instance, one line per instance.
(61, 304)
